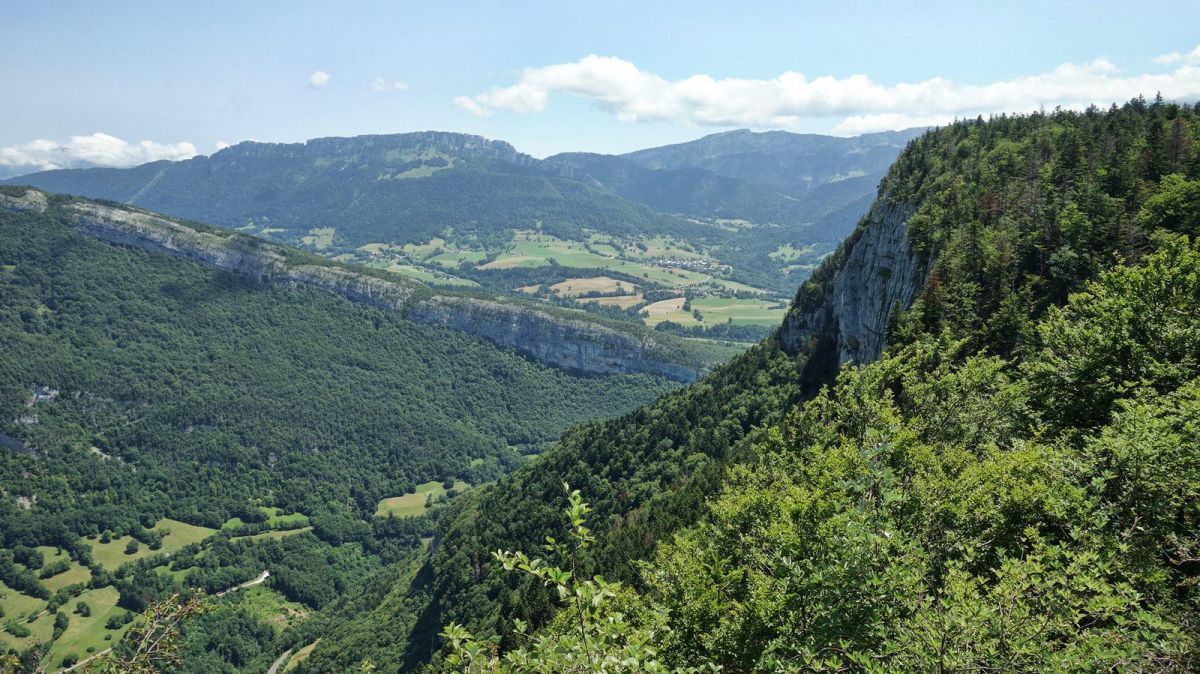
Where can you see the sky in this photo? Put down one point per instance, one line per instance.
(122, 83)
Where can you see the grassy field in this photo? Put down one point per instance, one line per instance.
(573, 287)
(269, 606)
(420, 273)
(715, 311)
(300, 656)
(620, 301)
(411, 505)
(112, 554)
(319, 238)
(275, 518)
(276, 535)
(76, 574)
(17, 605)
(789, 253)
(451, 259)
(83, 633)
(531, 249)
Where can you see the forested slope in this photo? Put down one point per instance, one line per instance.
(980, 473)
(199, 372)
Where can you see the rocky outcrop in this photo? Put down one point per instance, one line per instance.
(548, 336)
(31, 200)
(879, 274)
(569, 344)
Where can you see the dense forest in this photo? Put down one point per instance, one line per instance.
(1011, 487)
(193, 375)
(135, 386)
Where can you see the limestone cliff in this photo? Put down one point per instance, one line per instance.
(550, 336)
(875, 273)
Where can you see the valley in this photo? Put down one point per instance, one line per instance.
(458, 211)
(909, 401)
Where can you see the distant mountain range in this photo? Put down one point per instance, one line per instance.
(407, 186)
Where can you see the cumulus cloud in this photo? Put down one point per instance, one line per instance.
(98, 149)
(388, 86)
(1192, 57)
(634, 95)
(319, 79)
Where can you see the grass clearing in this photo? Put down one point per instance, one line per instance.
(275, 535)
(275, 518)
(619, 301)
(420, 273)
(300, 656)
(319, 237)
(269, 606)
(81, 632)
(412, 505)
(17, 605)
(112, 554)
(789, 253)
(574, 287)
(72, 576)
(715, 311)
(452, 259)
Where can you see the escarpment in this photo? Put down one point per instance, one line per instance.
(546, 336)
(850, 303)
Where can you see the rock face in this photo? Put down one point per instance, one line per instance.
(880, 273)
(546, 336)
(572, 345)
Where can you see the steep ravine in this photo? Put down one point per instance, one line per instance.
(549, 337)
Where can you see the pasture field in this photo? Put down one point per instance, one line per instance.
(420, 273)
(574, 287)
(789, 253)
(16, 605)
(112, 554)
(531, 249)
(275, 518)
(72, 576)
(451, 259)
(319, 238)
(412, 505)
(618, 301)
(83, 633)
(715, 311)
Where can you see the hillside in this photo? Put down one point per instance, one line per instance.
(148, 400)
(1011, 486)
(461, 211)
(789, 163)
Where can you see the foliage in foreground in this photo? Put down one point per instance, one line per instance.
(593, 634)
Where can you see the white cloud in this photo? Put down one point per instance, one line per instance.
(220, 145)
(468, 104)
(1174, 57)
(98, 149)
(388, 86)
(631, 94)
(319, 79)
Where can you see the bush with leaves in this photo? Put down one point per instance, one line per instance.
(594, 634)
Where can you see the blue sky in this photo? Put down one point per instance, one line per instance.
(120, 83)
